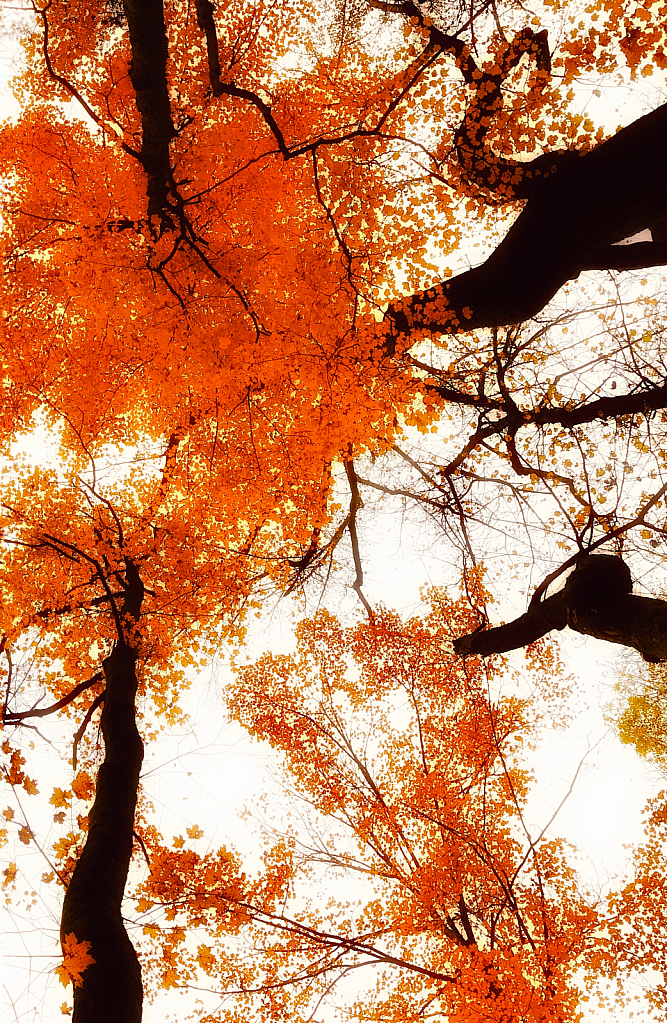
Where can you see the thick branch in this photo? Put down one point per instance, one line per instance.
(206, 22)
(597, 600)
(569, 224)
(511, 422)
(99, 699)
(355, 504)
(510, 179)
(10, 716)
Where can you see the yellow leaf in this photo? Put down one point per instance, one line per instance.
(170, 979)
(205, 958)
(60, 797)
(9, 874)
(195, 832)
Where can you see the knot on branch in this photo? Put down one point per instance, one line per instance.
(596, 580)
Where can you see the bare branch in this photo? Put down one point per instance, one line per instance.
(9, 717)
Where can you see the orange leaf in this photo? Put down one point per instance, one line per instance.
(76, 959)
(60, 797)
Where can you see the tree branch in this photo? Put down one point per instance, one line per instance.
(9, 717)
(206, 22)
(597, 600)
(92, 906)
(84, 724)
(148, 74)
(568, 225)
(355, 504)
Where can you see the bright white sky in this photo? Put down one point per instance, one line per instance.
(208, 774)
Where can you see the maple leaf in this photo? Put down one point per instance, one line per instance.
(25, 834)
(60, 797)
(205, 958)
(76, 959)
(9, 873)
(194, 832)
(170, 978)
(83, 785)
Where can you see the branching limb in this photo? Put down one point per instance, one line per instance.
(514, 419)
(613, 534)
(42, 12)
(148, 74)
(570, 223)
(206, 22)
(9, 717)
(597, 600)
(637, 256)
(355, 504)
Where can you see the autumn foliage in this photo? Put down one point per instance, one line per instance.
(227, 239)
(409, 768)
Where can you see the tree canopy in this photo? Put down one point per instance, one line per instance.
(224, 230)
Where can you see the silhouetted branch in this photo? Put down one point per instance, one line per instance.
(355, 504)
(597, 600)
(11, 716)
(84, 724)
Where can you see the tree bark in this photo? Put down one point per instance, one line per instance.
(597, 600)
(148, 74)
(111, 989)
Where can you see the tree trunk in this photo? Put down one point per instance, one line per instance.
(111, 989)
(596, 601)
(148, 40)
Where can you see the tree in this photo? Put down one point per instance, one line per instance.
(196, 261)
(638, 710)
(409, 767)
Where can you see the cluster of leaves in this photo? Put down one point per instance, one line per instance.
(194, 284)
(412, 793)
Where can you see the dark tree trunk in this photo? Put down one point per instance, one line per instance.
(111, 989)
(148, 39)
(596, 601)
(570, 223)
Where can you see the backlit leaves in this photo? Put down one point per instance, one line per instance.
(76, 959)
(231, 356)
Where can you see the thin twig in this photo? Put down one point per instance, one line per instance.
(84, 724)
